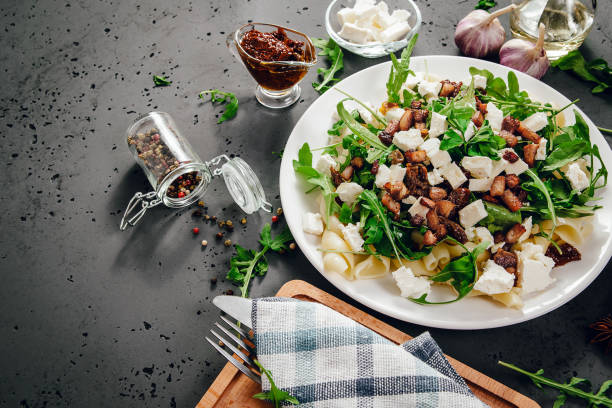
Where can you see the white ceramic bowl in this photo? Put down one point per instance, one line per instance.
(375, 50)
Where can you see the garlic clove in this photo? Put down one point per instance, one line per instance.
(480, 34)
(525, 56)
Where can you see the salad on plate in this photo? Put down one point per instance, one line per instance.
(461, 182)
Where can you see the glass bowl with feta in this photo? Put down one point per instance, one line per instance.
(462, 183)
(372, 29)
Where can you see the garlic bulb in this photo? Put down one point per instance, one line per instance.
(525, 56)
(480, 34)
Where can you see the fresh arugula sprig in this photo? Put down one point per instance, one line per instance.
(589, 71)
(303, 166)
(380, 214)
(334, 54)
(275, 394)
(461, 273)
(399, 71)
(161, 81)
(223, 97)
(248, 263)
(485, 4)
(603, 396)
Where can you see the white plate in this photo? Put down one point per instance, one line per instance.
(382, 294)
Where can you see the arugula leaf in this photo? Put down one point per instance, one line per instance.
(569, 388)
(499, 218)
(275, 394)
(565, 153)
(247, 263)
(346, 214)
(223, 97)
(363, 133)
(575, 62)
(451, 140)
(485, 143)
(161, 81)
(333, 52)
(399, 71)
(461, 273)
(303, 166)
(538, 184)
(485, 4)
(380, 213)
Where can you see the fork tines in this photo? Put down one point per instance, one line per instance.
(241, 348)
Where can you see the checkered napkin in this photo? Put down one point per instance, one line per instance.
(325, 359)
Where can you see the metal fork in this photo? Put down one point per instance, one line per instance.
(242, 348)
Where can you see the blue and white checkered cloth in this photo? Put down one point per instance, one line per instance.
(327, 360)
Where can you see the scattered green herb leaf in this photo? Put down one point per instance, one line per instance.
(332, 51)
(575, 62)
(223, 97)
(399, 71)
(485, 4)
(275, 394)
(161, 81)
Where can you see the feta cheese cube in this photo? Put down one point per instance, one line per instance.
(383, 8)
(355, 34)
(470, 131)
(440, 159)
(394, 114)
(578, 178)
(536, 122)
(346, 15)
(541, 152)
(411, 286)
(400, 15)
(324, 163)
(348, 192)
(383, 176)
(498, 167)
(427, 88)
(494, 116)
(431, 146)
(408, 139)
(413, 80)
(395, 32)
(528, 224)
(518, 167)
(312, 223)
(418, 209)
(351, 235)
(478, 166)
(479, 235)
(437, 125)
(361, 4)
(434, 177)
(409, 200)
(480, 185)
(480, 82)
(534, 268)
(495, 279)
(366, 115)
(365, 14)
(472, 213)
(453, 174)
(397, 173)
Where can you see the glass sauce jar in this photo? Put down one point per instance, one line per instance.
(177, 174)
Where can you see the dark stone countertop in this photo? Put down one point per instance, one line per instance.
(91, 316)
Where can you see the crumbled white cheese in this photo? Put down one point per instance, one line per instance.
(495, 279)
(478, 166)
(472, 213)
(528, 224)
(434, 177)
(499, 166)
(578, 178)
(480, 82)
(409, 200)
(411, 286)
(494, 116)
(324, 163)
(408, 139)
(437, 125)
(394, 114)
(518, 167)
(534, 268)
(396, 173)
(355, 34)
(541, 152)
(376, 20)
(470, 131)
(312, 223)
(383, 176)
(453, 174)
(536, 122)
(440, 159)
(351, 235)
(418, 209)
(394, 32)
(348, 192)
(413, 80)
(480, 185)
(427, 88)
(431, 146)
(346, 15)
(366, 115)
(479, 235)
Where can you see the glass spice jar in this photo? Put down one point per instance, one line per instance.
(177, 174)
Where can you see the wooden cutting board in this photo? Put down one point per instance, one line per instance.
(231, 388)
